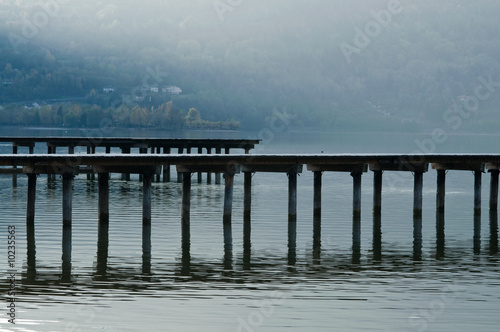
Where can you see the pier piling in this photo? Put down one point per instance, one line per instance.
(103, 207)
(186, 207)
(179, 175)
(218, 175)
(418, 193)
(477, 190)
(30, 213)
(356, 209)
(441, 190)
(377, 191)
(67, 199)
(146, 198)
(494, 189)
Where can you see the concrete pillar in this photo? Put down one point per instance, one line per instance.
(477, 190)
(417, 215)
(108, 150)
(157, 176)
(67, 200)
(317, 215)
(418, 193)
(441, 190)
(186, 207)
(494, 189)
(292, 197)
(377, 192)
(247, 195)
(142, 151)
(103, 205)
(30, 213)
(317, 194)
(30, 223)
(356, 207)
(200, 178)
(218, 175)
(179, 175)
(209, 175)
(292, 218)
(228, 205)
(146, 199)
(89, 151)
(227, 225)
(356, 192)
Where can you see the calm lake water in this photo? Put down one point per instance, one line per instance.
(385, 287)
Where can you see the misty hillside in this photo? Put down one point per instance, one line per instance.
(330, 64)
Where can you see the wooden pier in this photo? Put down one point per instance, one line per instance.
(126, 146)
(231, 165)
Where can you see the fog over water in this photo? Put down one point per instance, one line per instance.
(311, 77)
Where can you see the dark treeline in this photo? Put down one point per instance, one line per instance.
(332, 64)
(94, 116)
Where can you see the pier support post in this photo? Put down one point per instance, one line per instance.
(142, 151)
(356, 230)
(494, 189)
(67, 199)
(292, 217)
(147, 180)
(292, 196)
(166, 168)
(89, 151)
(418, 193)
(30, 221)
(209, 175)
(317, 195)
(228, 205)
(317, 214)
(179, 175)
(477, 190)
(377, 191)
(30, 213)
(103, 184)
(441, 190)
(200, 178)
(440, 210)
(247, 195)
(218, 175)
(186, 209)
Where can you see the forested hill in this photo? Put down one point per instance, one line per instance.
(332, 64)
